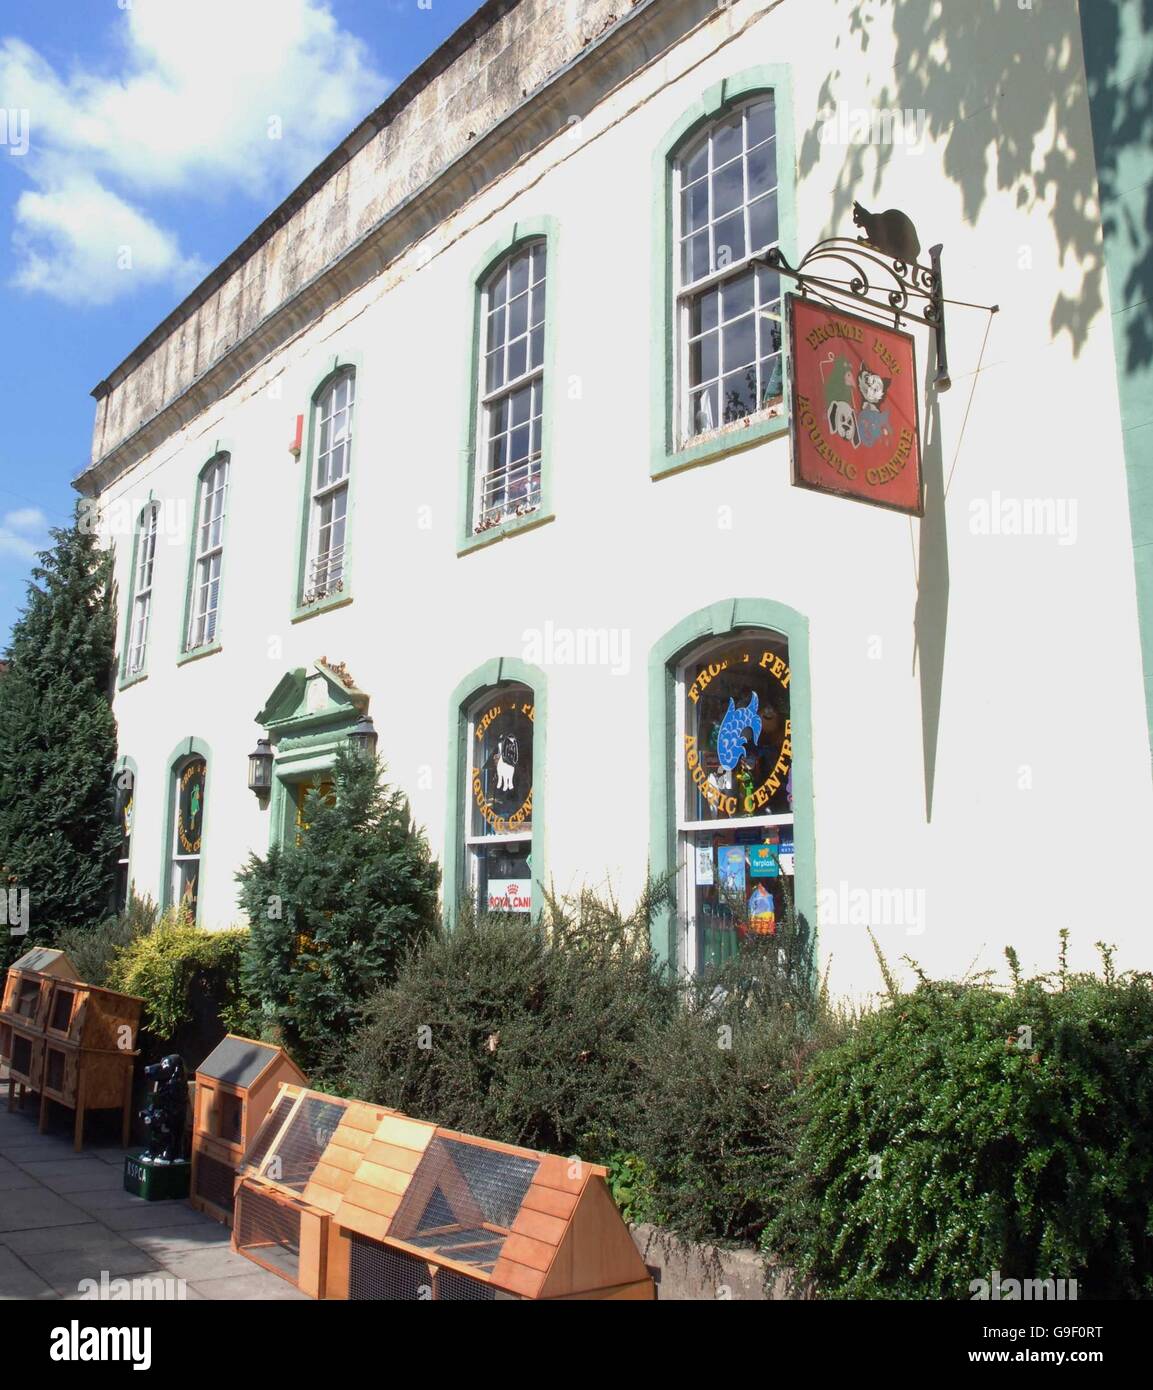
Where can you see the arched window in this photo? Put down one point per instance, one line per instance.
(327, 559)
(190, 776)
(507, 478)
(728, 311)
(140, 608)
(498, 810)
(732, 780)
(208, 554)
(124, 791)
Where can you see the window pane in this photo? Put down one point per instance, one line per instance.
(703, 359)
(737, 295)
(494, 370)
(696, 162)
(704, 409)
(729, 240)
(740, 394)
(739, 345)
(727, 141)
(536, 347)
(496, 328)
(772, 380)
(501, 773)
(518, 274)
(703, 314)
(695, 257)
(539, 260)
(695, 207)
(518, 316)
(761, 119)
(728, 188)
(763, 222)
(762, 169)
(517, 358)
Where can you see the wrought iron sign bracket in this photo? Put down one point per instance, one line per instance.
(876, 282)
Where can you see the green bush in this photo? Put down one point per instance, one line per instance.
(962, 1130)
(190, 983)
(332, 915)
(93, 950)
(713, 1126)
(525, 1034)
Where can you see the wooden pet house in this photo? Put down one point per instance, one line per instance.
(23, 1013)
(293, 1179)
(435, 1214)
(236, 1085)
(89, 1052)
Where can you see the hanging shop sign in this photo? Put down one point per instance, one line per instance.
(855, 425)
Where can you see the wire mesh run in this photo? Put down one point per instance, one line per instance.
(215, 1182)
(292, 1158)
(268, 1131)
(380, 1274)
(268, 1231)
(462, 1200)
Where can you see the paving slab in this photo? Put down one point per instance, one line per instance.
(181, 1240)
(200, 1266)
(257, 1285)
(139, 1217)
(38, 1208)
(64, 1269)
(18, 1281)
(81, 1237)
(98, 1178)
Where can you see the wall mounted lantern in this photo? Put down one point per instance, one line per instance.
(260, 768)
(362, 737)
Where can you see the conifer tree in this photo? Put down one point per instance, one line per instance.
(58, 744)
(333, 910)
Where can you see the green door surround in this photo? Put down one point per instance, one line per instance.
(305, 741)
(718, 620)
(500, 671)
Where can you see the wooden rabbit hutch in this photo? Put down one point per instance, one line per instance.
(293, 1179)
(24, 1013)
(236, 1085)
(89, 1052)
(389, 1208)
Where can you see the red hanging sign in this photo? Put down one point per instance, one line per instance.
(855, 426)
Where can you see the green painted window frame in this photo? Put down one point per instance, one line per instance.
(719, 620)
(124, 679)
(334, 367)
(543, 228)
(185, 653)
(187, 748)
(492, 676)
(668, 454)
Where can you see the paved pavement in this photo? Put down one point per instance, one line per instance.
(65, 1218)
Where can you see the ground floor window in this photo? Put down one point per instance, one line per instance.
(124, 788)
(188, 833)
(498, 801)
(733, 780)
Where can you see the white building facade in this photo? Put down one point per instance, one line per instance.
(484, 434)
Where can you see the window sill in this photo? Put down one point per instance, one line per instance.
(322, 605)
(195, 653)
(125, 681)
(512, 527)
(729, 439)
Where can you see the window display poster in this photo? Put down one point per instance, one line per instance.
(704, 865)
(763, 861)
(788, 856)
(731, 867)
(509, 895)
(762, 911)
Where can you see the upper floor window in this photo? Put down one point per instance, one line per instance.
(508, 475)
(728, 309)
(141, 607)
(209, 553)
(327, 559)
(498, 815)
(734, 790)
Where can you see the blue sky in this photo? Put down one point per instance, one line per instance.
(170, 130)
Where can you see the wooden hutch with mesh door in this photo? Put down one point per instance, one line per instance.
(390, 1208)
(293, 1179)
(23, 1013)
(236, 1085)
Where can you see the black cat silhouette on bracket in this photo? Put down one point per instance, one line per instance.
(890, 232)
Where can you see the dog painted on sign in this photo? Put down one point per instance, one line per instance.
(872, 421)
(507, 756)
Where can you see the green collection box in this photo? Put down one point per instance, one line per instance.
(156, 1182)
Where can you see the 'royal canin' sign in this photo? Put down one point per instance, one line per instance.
(855, 429)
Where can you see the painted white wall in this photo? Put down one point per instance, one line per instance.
(1043, 803)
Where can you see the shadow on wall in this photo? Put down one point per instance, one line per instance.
(1003, 80)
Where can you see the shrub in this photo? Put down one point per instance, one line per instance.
(712, 1126)
(962, 1129)
(93, 950)
(331, 915)
(190, 983)
(525, 1034)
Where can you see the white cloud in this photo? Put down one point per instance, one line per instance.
(12, 524)
(189, 111)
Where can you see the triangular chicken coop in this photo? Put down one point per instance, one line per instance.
(352, 1201)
